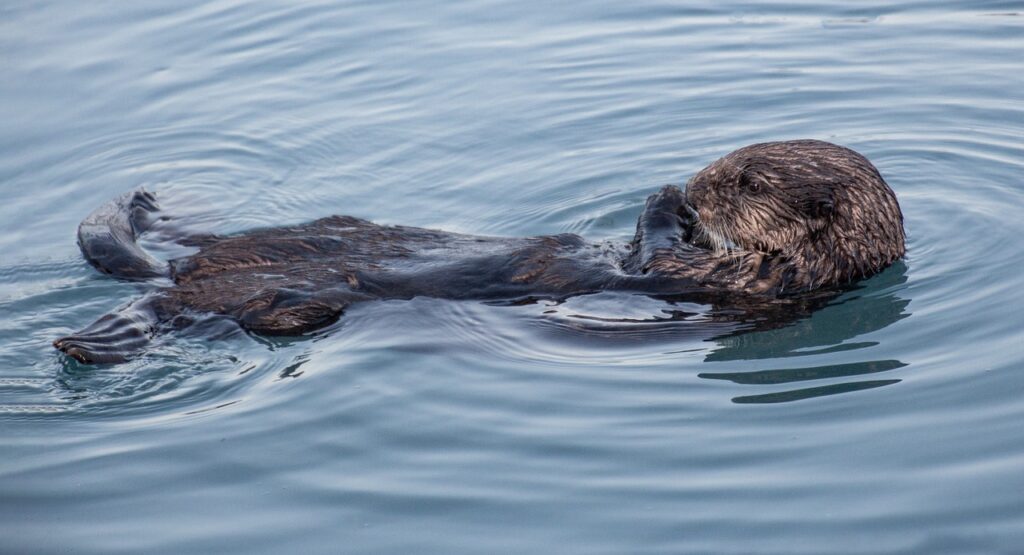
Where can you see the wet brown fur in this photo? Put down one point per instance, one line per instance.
(765, 221)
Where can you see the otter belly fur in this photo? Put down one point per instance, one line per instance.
(767, 221)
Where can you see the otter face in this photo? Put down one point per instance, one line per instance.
(812, 201)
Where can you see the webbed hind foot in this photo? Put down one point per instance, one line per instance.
(115, 337)
(108, 237)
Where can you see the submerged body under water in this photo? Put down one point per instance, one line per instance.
(884, 421)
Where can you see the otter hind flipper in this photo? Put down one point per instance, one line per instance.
(114, 337)
(108, 237)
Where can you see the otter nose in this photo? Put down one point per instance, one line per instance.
(695, 191)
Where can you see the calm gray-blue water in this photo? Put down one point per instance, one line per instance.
(889, 421)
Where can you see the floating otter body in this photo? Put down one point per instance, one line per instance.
(765, 222)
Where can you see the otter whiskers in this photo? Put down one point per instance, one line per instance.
(715, 236)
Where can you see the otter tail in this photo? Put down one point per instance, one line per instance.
(108, 237)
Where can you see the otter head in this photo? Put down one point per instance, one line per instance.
(819, 208)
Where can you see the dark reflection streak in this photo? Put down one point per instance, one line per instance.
(811, 392)
(220, 406)
(247, 369)
(787, 375)
(292, 370)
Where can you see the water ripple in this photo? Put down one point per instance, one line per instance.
(604, 423)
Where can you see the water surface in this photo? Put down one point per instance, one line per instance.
(886, 422)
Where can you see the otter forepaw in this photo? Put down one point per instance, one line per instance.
(669, 198)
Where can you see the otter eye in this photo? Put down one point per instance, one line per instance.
(748, 184)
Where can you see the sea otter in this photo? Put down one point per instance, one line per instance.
(767, 221)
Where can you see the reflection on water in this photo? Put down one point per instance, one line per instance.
(811, 392)
(811, 326)
(786, 375)
(872, 306)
